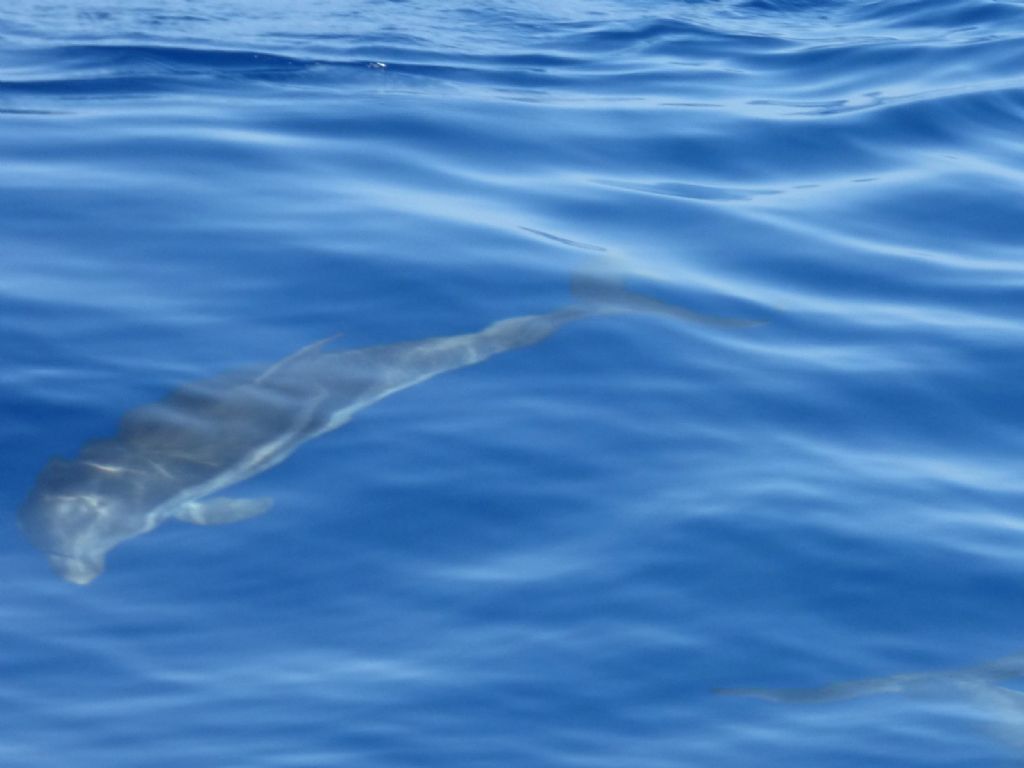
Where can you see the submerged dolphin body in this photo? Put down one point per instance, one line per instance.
(171, 459)
(983, 685)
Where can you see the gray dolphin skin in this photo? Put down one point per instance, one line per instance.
(982, 685)
(171, 460)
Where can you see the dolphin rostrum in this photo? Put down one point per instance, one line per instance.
(172, 459)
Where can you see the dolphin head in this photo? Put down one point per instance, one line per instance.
(70, 529)
(77, 570)
(70, 518)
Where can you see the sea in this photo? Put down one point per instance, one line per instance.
(782, 526)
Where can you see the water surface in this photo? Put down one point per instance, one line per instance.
(556, 558)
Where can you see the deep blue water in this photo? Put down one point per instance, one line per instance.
(563, 555)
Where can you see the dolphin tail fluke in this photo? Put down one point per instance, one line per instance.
(609, 294)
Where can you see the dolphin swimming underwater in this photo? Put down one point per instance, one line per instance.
(986, 686)
(171, 459)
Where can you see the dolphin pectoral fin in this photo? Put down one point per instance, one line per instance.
(221, 511)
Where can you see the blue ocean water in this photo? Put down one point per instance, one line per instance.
(607, 549)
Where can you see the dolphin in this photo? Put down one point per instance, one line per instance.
(172, 459)
(984, 685)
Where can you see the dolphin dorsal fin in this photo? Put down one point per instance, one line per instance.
(306, 353)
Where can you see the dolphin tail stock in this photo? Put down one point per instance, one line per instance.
(594, 295)
(609, 294)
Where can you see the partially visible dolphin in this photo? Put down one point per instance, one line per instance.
(171, 459)
(985, 685)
